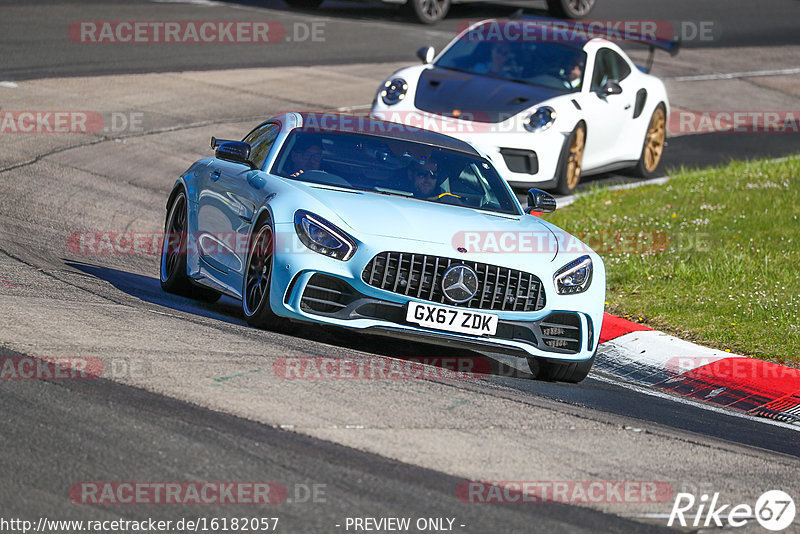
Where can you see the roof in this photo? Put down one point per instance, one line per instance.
(338, 122)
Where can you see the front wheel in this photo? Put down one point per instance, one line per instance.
(572, 372)
(258, 279)
(428, 11)
(570, 9)
(571, 161)
(653, 145)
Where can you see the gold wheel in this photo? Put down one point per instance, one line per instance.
(654, 141)
(575, 158)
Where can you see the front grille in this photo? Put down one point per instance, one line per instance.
(562, 331)
(420, 276)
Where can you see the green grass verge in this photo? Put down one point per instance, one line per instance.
(712, 256)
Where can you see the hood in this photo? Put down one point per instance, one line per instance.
(480, 98)
(406, 218)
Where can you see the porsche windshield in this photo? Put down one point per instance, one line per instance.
(391, 166)
(487, 52)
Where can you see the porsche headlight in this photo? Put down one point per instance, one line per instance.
(394, 91)
(574, 277)
(541, 119)
(323, 237)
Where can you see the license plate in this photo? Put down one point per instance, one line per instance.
(451, 319)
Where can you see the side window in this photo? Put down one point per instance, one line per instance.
(623, 69)
(261, 140)
(608, 65)
(602, 69)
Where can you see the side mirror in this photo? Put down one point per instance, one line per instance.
(235, 151)
(538, 200)
(610, 88)
(425, 54)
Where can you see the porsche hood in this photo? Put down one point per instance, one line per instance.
(474, 97)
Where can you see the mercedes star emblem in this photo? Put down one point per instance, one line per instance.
(460, 283)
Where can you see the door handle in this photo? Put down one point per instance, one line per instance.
(215, 175)
(627, 106)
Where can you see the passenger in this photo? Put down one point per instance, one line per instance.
(500, 61)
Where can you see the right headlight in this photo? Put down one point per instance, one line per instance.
(323, 237)
(574, 277)
(541, 119)
(394, 91)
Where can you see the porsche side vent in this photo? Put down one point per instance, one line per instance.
(326, 294)
(562, 331)
(420, 276)
(641, 100)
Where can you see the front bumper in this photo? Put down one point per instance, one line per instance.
(313, 288)
(525, 159)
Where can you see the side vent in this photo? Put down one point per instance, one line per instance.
(641, 100)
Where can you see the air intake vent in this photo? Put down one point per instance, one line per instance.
(562, 331)
(326, 294)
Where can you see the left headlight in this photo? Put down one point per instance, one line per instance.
(323, 237)
(541, 119)
(394, 91)
(574, 277)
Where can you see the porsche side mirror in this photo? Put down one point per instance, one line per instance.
(234, 151)
(539, 200)
(425, 54)
(610, 88)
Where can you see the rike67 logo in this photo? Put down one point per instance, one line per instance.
(774, 510)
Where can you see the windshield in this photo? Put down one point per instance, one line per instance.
(550, 64)
(393, 167)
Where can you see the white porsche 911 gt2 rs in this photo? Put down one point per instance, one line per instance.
(548, 104)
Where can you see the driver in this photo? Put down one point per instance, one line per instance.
(424, 181)
(305, 156)
(500, 60)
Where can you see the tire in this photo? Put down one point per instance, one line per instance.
(428, 11)
(653, 145)
(571, 160)
(304, 4)
(572, 372)
(570, 9)
(257, 280)
(172, 272)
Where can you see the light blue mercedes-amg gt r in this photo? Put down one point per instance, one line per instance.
(385, 229)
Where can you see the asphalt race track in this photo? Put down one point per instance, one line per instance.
(189, 393)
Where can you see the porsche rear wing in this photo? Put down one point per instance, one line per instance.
(590, 30)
